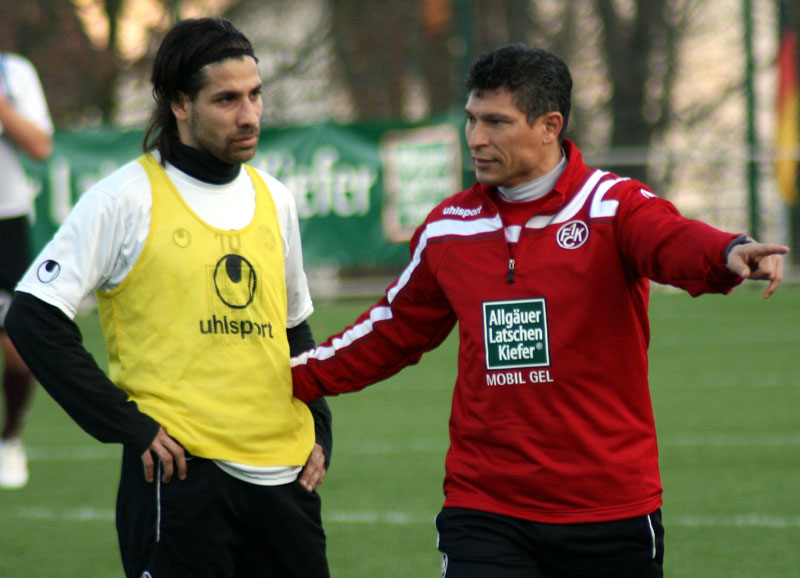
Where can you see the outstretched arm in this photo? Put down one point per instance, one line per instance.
(413, 317)
(751, 260)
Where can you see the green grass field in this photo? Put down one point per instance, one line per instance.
(725, 377)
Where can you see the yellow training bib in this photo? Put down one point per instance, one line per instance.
(196, 333)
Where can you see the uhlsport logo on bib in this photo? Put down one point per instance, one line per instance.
(515, 334)
(235, 281)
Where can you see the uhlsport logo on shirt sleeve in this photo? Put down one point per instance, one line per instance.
(516, 337)
(48, 271)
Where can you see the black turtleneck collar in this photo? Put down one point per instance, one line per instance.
(201, 165)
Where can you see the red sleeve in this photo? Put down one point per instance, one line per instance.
(413, 317)
(662, 245)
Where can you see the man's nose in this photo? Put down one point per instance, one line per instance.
(250, 113)
(477, 135)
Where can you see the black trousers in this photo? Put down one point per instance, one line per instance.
(15, 256)
(15, 253)
(478, 544)
(213, 525)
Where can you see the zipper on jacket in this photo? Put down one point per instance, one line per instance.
(511, 250)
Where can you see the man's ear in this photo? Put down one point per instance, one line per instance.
(181, 106)
(553, 122)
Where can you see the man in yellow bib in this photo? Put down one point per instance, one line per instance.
(196, 263)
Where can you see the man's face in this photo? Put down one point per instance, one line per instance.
(507, 151)
(224, 117)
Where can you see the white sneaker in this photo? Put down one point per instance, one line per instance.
(13, 464)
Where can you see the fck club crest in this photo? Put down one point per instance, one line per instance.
(572, 235)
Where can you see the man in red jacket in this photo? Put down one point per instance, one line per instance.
(545, 264)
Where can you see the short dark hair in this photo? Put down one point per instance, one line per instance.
(178, 69)
(539, 81)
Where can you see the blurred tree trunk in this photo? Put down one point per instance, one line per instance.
(79, 79)
(436, 52)
(372, 42)
(501, 22)
(107, 98)
(639, 52)
(49, 34)
(386, 49)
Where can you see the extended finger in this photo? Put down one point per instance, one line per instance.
(165, 457)
(763, 249)
(147, 461)
(178, 455)
(307, 479)
(312, 476)
(314, 471)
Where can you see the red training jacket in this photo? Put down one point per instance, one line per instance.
(551, 418)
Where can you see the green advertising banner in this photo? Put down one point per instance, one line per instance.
(360, 190)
